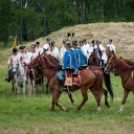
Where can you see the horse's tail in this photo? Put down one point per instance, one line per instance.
(108, 83)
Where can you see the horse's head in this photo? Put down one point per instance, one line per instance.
(108, 52)
(111, 64)
(37, 61)
(15, 66)
(95, 54)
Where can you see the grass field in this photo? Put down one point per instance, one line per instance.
(32, 116)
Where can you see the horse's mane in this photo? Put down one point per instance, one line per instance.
(53, 57)
(129, 62)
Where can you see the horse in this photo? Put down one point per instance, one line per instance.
(19, 76)
(94, 60)
(124, 71)
(88, 81)
(108, 52)
(129, 62)
(99, 79)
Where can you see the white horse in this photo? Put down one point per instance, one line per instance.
(19, 76)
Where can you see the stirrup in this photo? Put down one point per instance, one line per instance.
(64, 88)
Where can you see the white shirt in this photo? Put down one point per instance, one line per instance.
(46, 46)
(84, 50)
(111, 47)
(90, 50)
(87, 46)
(62, 52)
(24, 57)
(32, 55)
(14, 58)
(54, 53)
(39, 50)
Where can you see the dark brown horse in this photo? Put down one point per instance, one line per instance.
(94, 60)
(88, 80)
(124, 71)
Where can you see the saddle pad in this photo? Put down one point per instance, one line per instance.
(72, 80)
(132, 74)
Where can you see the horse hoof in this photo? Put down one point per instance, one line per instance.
(72, 105)
(67, 110)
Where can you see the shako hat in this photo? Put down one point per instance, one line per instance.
(93, 42)
(33, 46)
(37, 43)
(52, 44)
(110, 40)
(48, 39)
(14, 50)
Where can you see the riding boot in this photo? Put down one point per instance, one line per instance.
(63, 87)
(8, 79)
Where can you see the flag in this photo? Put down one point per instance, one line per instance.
(15, 42)
(132, 74)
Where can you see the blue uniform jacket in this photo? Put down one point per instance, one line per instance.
(81, 58)
(70, 62)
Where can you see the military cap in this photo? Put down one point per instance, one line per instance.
(22, 47)
(110, 40)
(52, 44)
(73, 34)
(64, 41)
(80, 42)
(15, 50)
(37, 43)
(97, 41)
(33, 46)
(68, 34)
(48, 39)
(93, 42)
(68, 44)
(74, 42)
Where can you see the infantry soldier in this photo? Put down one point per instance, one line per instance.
(12, 59)
(86, 44)
(69, 63)
(83, 47)
(38, 49)
(63, 49)
(46, 46)
(53, 50)
(81, 58)
(111, 47)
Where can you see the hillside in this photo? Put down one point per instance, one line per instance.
(121, 33)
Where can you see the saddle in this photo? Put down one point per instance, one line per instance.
(72, 79)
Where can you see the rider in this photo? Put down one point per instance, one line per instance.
(63, 49)
(100, 50)
(14, 58)
(24, 55)
(69, 63)
(54, 51)
(38, 48)
(111, 47)
(81, 58)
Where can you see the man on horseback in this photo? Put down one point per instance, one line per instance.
(69, 64)
(81, 58)
(54, 51)
(111, 47)
(24, 55)
(11, 60)
(63, 49)
(38, 49)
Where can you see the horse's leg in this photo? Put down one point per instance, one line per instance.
(96, 96)
(85, 97)
(106, 100)
(56, 98)
(13, 88)
(126, 92)
(29, 87)
(46, 86)
(70, 96)
(52, 108)
(18, 90)
(24, 86)
(34, 92)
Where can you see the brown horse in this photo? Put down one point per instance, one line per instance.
(94, 60)
(124, 71)
(88, 80)
(99, 79)
(108, 52)
(129, 62)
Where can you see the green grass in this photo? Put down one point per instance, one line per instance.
(31, 115)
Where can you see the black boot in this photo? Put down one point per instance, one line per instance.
(8, 79)
(63, 87)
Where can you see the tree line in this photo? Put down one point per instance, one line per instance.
(30, 19)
